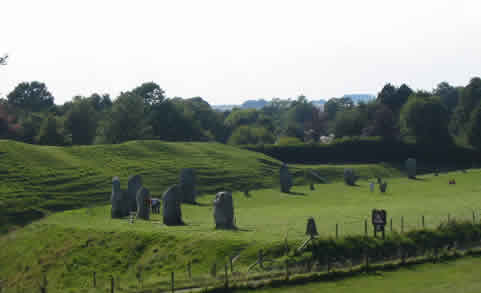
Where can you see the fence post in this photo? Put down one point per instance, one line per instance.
(337, 230)
(189, 269)
(95, 280)
(226, 281)
(402, 224)
(365, 227)
(422, 221)
(474, 218)
(231, 260)
(287, 269)
(366, 255)
(172, 282)
(391, 224)
(112, 284)
(449, 218)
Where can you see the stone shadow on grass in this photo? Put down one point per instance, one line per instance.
(294, 193)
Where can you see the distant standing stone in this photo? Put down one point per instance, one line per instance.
(187, 185)
(119, 207)
(371, 186)
(143, 203)
(224, 211)
(171, 201)
(133, 186)
(411, 168)
(286, 179)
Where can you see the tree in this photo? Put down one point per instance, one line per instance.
(474, 132)
(448, 95)
(33, 96)
(394, 97)
(100, 102)
(50, 133)
(126, 120)
(81, 122)
(426, 120)
(349, 123)
(150, 92)
(251, 135)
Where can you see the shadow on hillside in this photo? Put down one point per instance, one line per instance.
(202, 204)
(418, 179)
(295, 193)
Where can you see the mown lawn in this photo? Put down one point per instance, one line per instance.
(460, 276)
(71, 244)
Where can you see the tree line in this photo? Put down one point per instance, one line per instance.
(444, 115)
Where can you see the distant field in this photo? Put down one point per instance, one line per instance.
(460, 276)
(70, 244)
(36, 180)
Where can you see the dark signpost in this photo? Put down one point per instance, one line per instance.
(379, 221)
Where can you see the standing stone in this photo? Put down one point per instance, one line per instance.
(224, 211)
(133, 186)
(411, 168)
(187, 185)
(350, 177)
(171, 201)
(371, 186)
(119, 206)
(143, 203)
(311, 228)
(286, 179)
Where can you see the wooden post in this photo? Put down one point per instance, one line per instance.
(365, 228)
(366, 251)
(94, 280)
(328, 261)
(172, 282)
(474, 218)
(402, 224)
(449, 218)
(189, 269)
(226, 277)
(337, 230)
(391, 224)
(112, 284)
(422, 221)
(287, 269)
(231, 260)
(43, 288)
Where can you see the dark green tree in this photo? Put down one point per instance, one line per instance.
(474, 132)
(251, 135)
(32, 96)
(81, 122)
(426, 120)
(50, 132)
(448, 95)
(127, 119)
(150, 92)
(349, 123)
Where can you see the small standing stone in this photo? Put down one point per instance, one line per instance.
(143, 203)
(371, 186)
(118, 203)
(224, 211)
(133, 186)
(171, 201)
(286, 179)
(311, 228)
(411, 168)
(187, 185)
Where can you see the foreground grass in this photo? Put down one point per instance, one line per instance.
(461, 275)
(37, 180)
(70, 245)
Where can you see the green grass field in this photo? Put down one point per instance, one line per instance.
(69, 245)
(37, 180)
(460, 276)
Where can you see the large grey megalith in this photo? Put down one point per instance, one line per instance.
(224, 211)
(133, 186)
(118, 201)
(143, 203)
(171, 201)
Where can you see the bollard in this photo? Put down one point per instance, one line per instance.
(391, 224)
(189, 269)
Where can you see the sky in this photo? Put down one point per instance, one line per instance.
(229, 51)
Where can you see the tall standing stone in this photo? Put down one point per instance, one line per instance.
(224, 211)
(119, 207)
(411, 168)
(133, 186)
(187, 185)
(286, 179)
(143, 203)
(171, 201)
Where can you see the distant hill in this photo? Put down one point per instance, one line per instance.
(356, 98)
(258, 104)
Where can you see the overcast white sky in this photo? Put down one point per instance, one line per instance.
(229, 51)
